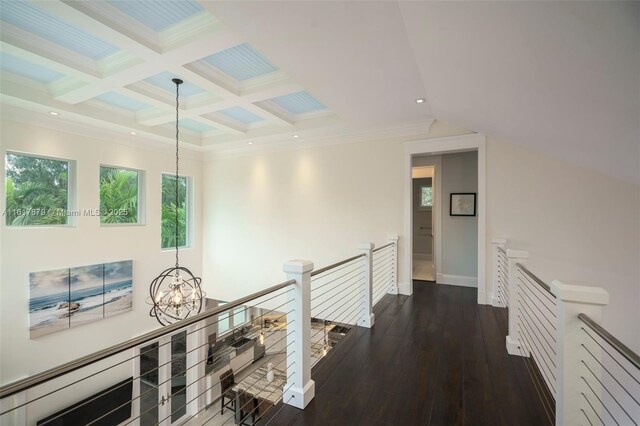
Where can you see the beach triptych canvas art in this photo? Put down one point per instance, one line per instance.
(70, 297)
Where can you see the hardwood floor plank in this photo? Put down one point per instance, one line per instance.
(436, 357)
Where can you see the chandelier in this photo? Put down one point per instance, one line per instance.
(175, 294)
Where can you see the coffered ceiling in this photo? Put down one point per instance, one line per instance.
(109, 64)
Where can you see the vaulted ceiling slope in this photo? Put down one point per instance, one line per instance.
(560, 77)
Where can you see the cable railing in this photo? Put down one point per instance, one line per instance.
(384, 270)
(230, 364)
(343, 295)
(502, 278)
(610, 392)
(583, 375)
(171, 366)
(536, 330)
(337, 301)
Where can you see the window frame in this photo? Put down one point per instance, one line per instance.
(141, 208)
(189, 213)
(72, 212)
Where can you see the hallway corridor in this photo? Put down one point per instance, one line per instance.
(434, 358)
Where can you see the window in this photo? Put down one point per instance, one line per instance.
(426, 196)
(119, 195)
(227, 321)
(37, 190)
(223, 321)
(239, 316)
(172, 207)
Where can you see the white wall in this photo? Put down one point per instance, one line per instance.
(577, 224)
(43, 248)
(459, 173)
(319, 203)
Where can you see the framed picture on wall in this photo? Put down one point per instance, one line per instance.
(462, 204)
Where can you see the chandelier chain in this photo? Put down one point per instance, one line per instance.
(177, 170)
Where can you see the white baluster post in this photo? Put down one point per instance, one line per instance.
(367, 283)
(514, 345)
(573, 300)
(495, 244)
(393, 288)
(300, 387)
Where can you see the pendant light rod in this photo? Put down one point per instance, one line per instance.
(177, 82)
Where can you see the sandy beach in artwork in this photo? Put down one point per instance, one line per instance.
(119, 304)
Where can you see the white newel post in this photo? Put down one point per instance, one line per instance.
(300, 387)
(495, 244)
(514, 345)
(367, 283)
(393, 289)
(573, 300)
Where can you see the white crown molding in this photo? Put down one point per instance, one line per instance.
(148, 142)
(404, 133)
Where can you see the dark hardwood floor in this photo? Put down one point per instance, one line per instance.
(433, 358)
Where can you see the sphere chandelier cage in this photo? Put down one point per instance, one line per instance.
(175, 294)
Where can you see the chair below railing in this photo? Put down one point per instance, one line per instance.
(584, 375)
(200, 370)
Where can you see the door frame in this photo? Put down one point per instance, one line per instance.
(164, 356)
(438, 146)
(435, 214)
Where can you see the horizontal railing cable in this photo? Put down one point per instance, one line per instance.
(355, 267)
(334, 311)
(146, 373)
(607, 365)
(536, 279)
(611, 356)
(616, 344)
(160, 345)
(45, 376)
(335, 265)
(194, 398)
(358, 272)
(377, 249)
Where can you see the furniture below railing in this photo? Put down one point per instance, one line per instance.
(184, 370)
(583, 374)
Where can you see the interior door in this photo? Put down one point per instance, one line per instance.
(163, 381)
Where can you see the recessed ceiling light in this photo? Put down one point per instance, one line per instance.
(420, 100)
(296, 136)
(54, 113)
(250, 143)
(133, 133)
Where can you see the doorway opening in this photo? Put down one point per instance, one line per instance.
(424, 210)
(468, 212)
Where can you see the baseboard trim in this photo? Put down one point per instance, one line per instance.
(482, 298)
(405, 289)
(459, 280)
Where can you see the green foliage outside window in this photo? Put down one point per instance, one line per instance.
(172, 207)
(118, 195)
(36, 190)
(426, 196)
